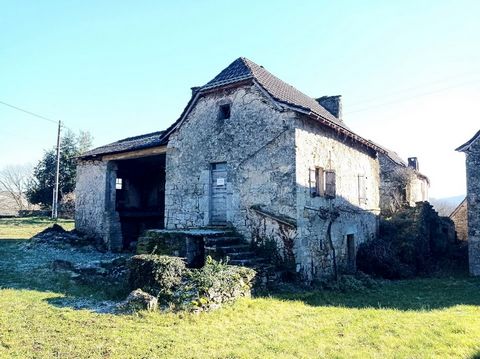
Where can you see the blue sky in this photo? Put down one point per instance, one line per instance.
(408, 71)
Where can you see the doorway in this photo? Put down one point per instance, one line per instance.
(218, 194)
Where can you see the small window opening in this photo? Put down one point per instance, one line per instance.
(118, 183)
(224, 112)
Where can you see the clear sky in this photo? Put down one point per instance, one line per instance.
(408, 71)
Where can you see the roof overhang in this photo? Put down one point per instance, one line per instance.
(466, 146)
(127, 155)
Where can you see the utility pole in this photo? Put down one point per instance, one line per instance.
(57, 176)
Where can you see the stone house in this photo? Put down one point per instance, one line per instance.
(248, 152)
(401, 183)
(472, 151)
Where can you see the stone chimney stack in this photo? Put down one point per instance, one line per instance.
(332, 104)
(413, 163)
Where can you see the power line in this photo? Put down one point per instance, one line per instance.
(29, 112)
(359, 103)
(410, 97)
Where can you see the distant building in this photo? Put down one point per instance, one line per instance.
(401, 183)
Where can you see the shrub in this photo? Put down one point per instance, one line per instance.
(157, 275)
(379, 258)
(214, 284)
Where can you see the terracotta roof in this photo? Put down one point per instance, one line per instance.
(240, 70)
(243, 69)
(148, 140)
(467, 145)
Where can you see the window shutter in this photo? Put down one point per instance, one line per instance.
(362, 190)
(320, 181)
(330, 184)
(312, 182)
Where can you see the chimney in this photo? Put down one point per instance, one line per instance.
(332, 104)
(413, 163)
(195, 89)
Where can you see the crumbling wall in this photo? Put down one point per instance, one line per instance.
(324, 223)
(473, 199)
(256, 142)
(274, 238)
(400, 186)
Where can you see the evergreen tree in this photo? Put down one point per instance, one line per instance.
(40, 188)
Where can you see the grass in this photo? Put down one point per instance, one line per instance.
(421, 318)
(26, 227)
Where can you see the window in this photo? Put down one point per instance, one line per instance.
(318, 180)
(330, 184)
(224, 112)
(118, 183)
(362, 190)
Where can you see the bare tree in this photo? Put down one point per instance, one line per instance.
(13, 181)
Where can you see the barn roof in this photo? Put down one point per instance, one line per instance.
(141, 142)
(239, 71)
(243, 69)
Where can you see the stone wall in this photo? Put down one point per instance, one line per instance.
(323, 223)
(400, 186)
(460, 218)
(95, 213)
(473, 199)
(256, 142)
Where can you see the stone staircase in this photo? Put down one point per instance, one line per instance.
(234, 247)
(239, 252)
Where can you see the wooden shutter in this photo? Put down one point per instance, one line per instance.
(320, 181)
(362, 190)
(330, 184)
(312, 182)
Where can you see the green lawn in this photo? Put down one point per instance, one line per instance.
(23, 228)
(422, 318)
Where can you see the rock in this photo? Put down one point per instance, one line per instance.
(139, 300)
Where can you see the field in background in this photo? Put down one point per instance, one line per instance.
(26, 227)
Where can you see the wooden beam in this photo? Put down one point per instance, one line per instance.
(136, 154)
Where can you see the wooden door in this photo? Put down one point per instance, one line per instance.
(351, 253)
(218, 194)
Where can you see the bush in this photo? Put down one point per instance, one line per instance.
(157, 275)
(214, 284)
(379, 258)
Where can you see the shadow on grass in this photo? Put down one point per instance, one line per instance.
(421, 294)
(21, 269)
(407, 295)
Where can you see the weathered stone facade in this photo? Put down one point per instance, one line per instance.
(325, 224)
(257, 144)
(472, 151)
(269, 155)
(460, 217)
(95, 213)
